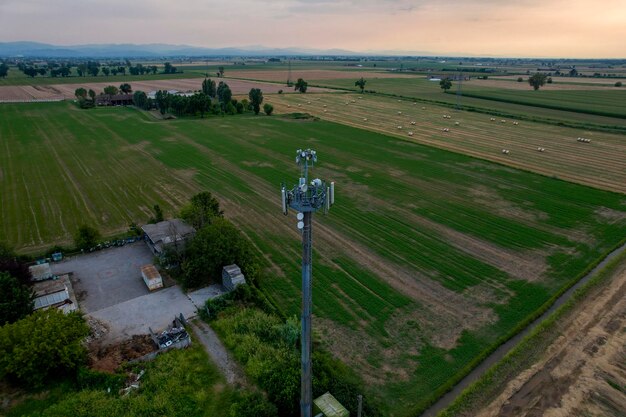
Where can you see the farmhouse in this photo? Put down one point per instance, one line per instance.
(167, 234)
(114, 99)
(232, 277)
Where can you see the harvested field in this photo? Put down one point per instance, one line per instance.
(583, 373)
(409, 265)
(524, 86)
(601, 163)
(28, 92)
(307, 74)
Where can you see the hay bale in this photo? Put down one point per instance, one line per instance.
(410, 133)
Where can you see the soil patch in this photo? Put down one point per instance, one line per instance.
(109, 358)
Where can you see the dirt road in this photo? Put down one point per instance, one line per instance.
(218, 353)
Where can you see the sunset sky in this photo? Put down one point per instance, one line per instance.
(526, 28)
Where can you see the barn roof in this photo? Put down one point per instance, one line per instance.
(168, 231)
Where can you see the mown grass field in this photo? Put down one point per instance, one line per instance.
(600, 163)
(566, 109)
(427, 259)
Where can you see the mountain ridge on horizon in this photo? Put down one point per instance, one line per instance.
(116, 50)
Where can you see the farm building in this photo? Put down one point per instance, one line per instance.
(328, 406)
(41, 272)
(231, 277)
(151, 277)
(167, 234)
(55, 294)
(114, 100)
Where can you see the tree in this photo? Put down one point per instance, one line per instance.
(520, 79)
(224, 94)
(537, 80)
(215, 245)
(80, 93)
(162, 99)
(114, 70)
(301, 85)
(445, 84)
(86, 237)
(573, 72)
(122, 70)
(256, 98)
(208, 87)
(268, 109)
(4, 70)
(201, 210)
(16, 299)
(153, 68)
(110, 90)
(106, 71)
(81, 69)
(618, 84)
(126, 88)
(220, 71)
(45, 344)
(94, 70)
(14, 265)
(549, 80)
(361, 84)
(169, 68)
(200, 103)
(158, 215)
(92, 95)
(30, 71)
(140, 99)
(230, 108)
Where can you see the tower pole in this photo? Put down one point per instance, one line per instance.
(306, 198)
(307, 306)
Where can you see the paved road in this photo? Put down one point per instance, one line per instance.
(217, 351)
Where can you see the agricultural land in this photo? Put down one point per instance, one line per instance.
(439, 247)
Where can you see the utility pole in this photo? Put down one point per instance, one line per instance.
(307, 198)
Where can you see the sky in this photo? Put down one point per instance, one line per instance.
(520, 28)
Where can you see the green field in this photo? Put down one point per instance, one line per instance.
(610, 103)
(567, 106)
(427, 260)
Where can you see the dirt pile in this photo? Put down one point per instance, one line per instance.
(109, 358)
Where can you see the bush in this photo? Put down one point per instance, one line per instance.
(45, 344)
(520, 79)
(268, 109)
(549, 80)
(618, 84)
(86, 237)
(89, 379)
(252, 405)
(280, 91)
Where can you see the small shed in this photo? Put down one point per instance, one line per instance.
(151, 277)
(41, 272)
(232, 276)
(172, 233)
(328, 406)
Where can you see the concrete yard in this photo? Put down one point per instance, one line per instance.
(108, 277)
(109, 288)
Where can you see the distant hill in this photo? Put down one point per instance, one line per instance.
(36, 49)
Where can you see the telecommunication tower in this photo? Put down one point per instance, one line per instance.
(307, 198)
(459, 92)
